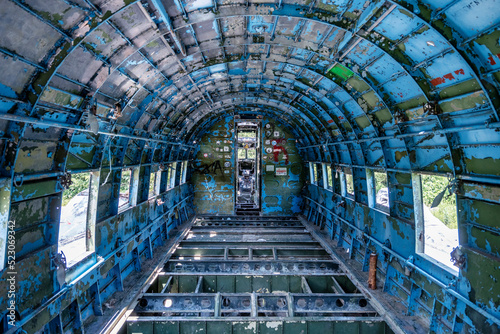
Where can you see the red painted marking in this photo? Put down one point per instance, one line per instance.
(277, 150)
(330, 121)
(449, 76)
(437, 81)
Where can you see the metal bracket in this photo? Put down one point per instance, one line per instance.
(409, 266)
(458, 258)
(65, 180)
(58, 260)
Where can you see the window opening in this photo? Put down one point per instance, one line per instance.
(152, 184)
(173, 171)
(349, 181)
(319, 175)
(315, 171)
(381, 190)
(435, 217)
(311, 173)
(184, 171)
(73, 223)
(328, 177)
(169, 174)
(125, 182)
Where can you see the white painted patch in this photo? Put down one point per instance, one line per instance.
(252, 326)
(274, 325)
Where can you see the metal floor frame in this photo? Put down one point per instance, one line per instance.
(251, 274)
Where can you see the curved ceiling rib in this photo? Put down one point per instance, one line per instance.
(353, 74)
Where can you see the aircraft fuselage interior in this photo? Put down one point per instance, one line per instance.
(249, 166)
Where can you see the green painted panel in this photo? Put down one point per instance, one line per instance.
(295, 327)
(214, 186)
(218, 327)
(170, 327)
(280, 284)
(243, 284)
(322, 327)
(209, 284)
(483, 274)
(226, 284)
(191, 327)
(341, 72)
(262, 284)
(484, 213)
(187, 284)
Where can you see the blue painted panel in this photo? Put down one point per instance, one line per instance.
(398, 24)
(487, 57)
(364, 53)
(451, 68)
(384, 68)
(402, 88)
(470, 17)
(425, 45)
(260, 24)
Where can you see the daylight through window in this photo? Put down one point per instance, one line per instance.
(436, 227)
(124, 198)
(73, 223)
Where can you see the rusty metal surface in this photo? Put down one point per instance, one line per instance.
(399, 87)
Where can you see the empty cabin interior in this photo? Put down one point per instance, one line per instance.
(249, 166)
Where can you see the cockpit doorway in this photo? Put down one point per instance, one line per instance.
(248, 197)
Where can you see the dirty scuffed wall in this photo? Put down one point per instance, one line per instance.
(214, 170)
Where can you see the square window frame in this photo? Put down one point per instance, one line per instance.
(343, 182)
(156, 182)
(312, 175)
(319, 174)
(327, 176)
(90, 221)
(184, 171)
(172, 174)
(133, 189)
(371, 183)
(419, 220)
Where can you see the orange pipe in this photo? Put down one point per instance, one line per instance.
(372, 272)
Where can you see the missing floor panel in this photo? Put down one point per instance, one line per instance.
(235, 274)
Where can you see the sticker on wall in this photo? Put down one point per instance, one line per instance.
(269, 168)
(280, 171)
(274, 142)
(228, 156)
(205, 155)
(227, 164)
(268, 142)
(269, 150)
(217, 149)
(226, 172)
(218, 142)
(276, 134)
(226, 148)
(220, 156)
